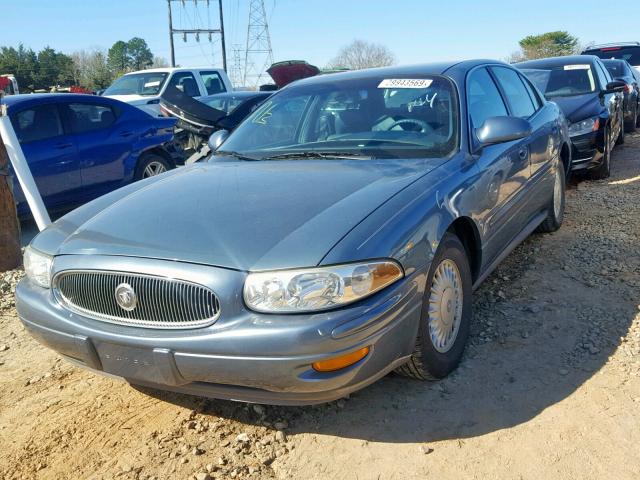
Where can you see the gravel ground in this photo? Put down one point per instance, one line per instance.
(549, 386)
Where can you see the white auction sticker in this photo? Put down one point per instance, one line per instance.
(577, 67)
(405, 83)
(154, 83)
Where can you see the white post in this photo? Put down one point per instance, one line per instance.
(21, 168)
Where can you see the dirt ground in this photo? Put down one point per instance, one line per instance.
(549, 387)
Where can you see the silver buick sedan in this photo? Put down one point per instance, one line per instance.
(335, 236)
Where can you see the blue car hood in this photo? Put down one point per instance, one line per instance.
(579, 107)
(239, 215)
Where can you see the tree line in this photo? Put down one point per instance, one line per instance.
(92, 69)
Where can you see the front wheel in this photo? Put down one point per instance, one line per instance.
(446, 314)
(604, 169)
(151, 165)
(556, 204)
(620, 139)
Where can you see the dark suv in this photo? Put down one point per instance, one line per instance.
(629, 51)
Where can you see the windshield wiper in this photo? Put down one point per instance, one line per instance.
(315, 154)
(238, 155)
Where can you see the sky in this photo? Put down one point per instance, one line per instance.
(416, 31)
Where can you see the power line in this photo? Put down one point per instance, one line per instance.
(196, 30)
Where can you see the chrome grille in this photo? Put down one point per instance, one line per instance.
(161, 302)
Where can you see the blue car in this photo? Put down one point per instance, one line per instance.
(336, 235)
(80, 147)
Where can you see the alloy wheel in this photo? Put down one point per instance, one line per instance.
(153, 169)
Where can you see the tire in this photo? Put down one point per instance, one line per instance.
(631, 126)
(428, 361)
(150, 165)
(620, 139)
(556, 205)
(604, 170)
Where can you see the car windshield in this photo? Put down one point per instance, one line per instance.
(631, 54)
(563, 80)
(374, 117)
(138, 84)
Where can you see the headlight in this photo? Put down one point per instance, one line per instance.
(584, 126)
(37, 266)
(322, 288)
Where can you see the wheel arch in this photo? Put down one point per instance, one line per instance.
(467, 232)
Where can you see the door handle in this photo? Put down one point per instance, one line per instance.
(126, 133)
(62, 146)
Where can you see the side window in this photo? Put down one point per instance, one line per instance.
(603, 77)
(87, 117)
(483, 98)
(186, 83)
(515, 91)
(535, 97)
(212, 82)
(38, 123)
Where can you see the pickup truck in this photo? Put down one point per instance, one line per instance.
(145, 87)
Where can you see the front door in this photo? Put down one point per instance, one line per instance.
(51, 155)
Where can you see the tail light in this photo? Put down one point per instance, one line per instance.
(628, 88)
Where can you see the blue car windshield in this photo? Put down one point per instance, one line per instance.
(373, 117)
(148, 83)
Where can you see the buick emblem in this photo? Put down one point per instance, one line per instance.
(126, 297)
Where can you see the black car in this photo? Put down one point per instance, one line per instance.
(621, 70)
(592, 102)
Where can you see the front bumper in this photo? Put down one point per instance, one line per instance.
(244, 355)
(586, 150)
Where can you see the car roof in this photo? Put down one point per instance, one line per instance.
(557, 61)
(439, 68)
(237, 94)
(174, 69)
(27, 99)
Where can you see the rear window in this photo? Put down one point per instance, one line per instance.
(630, 54)
(616, 68)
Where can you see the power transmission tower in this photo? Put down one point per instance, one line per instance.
(258, 55)
(196, 32)
(236, 74)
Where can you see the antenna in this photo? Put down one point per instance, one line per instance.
(195, 30)
(258, 55)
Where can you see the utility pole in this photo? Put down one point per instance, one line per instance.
(171, 50)
(258, 55)
(10, 253)
(196, 31)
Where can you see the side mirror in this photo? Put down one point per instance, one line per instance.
(615, 86)
(502, 129)
(217, 138)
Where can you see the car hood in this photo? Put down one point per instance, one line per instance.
(239, 215)
(579, 107)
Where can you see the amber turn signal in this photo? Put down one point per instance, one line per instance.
(341, 362)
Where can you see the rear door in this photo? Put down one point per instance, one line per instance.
(51, 155)
(104, 144)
